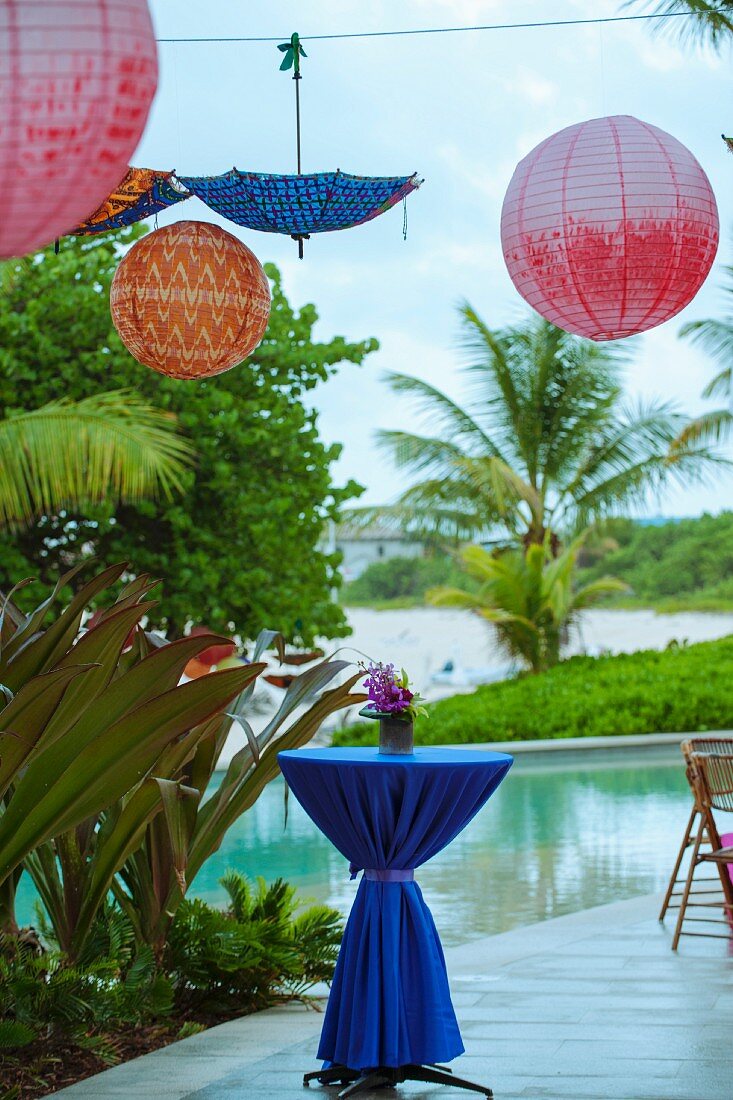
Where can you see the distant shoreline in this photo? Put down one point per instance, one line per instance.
(671, 605)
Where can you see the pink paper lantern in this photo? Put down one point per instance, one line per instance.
(77, 78)
(609, 227)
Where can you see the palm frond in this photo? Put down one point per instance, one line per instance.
(67, 454)
(712, 427)
(716, 338)
(710, 21)
(445, 414)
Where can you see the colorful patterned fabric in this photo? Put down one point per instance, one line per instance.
(299, 205)
(729, 142)
(142, 193)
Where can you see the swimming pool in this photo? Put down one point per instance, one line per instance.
(565, 831)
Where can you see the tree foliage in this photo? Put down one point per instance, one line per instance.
(238, 548)
(546, 442)
(710, 22)
(686, 561)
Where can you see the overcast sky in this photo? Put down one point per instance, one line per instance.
(461, 109)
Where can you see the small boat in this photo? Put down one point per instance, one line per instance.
(452, 674)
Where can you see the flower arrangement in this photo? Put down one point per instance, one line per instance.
(390, 693)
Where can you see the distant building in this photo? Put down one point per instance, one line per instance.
(374, 543)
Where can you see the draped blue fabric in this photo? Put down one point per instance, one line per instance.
(390, 1003)
(316, 203)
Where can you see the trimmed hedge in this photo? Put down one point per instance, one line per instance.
(679, 689)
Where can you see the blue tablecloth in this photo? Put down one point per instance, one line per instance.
(390, 1003)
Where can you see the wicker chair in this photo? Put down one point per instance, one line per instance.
(695, 825)
(710, 775)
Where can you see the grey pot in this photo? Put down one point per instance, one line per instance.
(395, 734)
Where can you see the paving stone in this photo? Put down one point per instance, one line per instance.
(592, 1006)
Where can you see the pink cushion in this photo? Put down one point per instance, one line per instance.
(726, 839)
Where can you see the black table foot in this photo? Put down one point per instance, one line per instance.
(388, 1076)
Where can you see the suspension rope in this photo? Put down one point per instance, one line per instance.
(457, 30)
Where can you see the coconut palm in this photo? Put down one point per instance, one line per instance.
(544, 444)
(710, 22)
(528, 596)
(716, 337)
(73, 453)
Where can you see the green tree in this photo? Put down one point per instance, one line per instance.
(710, 22)
(546, 446)
(239, 547)
(528, 596)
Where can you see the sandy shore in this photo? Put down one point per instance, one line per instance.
(423, 639)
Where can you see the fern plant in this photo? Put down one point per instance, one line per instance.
(257, 950)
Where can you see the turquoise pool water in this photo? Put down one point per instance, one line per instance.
(560, 835)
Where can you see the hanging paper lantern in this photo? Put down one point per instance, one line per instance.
(609, 227)
(77, 78)
(190, 300)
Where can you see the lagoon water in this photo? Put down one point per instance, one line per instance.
(560, 835)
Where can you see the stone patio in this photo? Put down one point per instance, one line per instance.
(590, 1006)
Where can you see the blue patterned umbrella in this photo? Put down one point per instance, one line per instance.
(299, 205)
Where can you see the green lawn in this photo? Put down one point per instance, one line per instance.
(680, 689)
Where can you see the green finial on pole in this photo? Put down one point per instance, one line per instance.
(293, 51)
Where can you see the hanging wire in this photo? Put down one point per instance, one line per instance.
(455, 30)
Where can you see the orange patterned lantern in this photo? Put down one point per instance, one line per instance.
(190, 300)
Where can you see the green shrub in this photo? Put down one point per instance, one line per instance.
(240, 959)
(690, 561)
(401, 579)
(680, 689)
(259, 950)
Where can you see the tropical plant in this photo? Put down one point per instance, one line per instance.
(716, 337)
(155, 876)
(110, 447)
(528, 596)
(85, 726)
(710, 21)
(546, 443)
(44, 999)
(259, 947)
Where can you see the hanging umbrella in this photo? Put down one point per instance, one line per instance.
(728, 141)
(299, 205)
(142, 193)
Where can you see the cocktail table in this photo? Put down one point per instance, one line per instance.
(389, 1016)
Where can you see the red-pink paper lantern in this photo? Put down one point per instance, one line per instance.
(609, 227)
(77, 78)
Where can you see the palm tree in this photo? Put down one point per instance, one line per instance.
(528, 596)
(68, 454)
(545, 445)
(716, 337)
(710, 22)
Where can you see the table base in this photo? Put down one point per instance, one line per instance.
(357, 1081)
